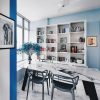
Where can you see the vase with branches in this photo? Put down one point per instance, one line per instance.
(30, 48)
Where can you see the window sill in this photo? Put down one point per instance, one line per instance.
(21, 64)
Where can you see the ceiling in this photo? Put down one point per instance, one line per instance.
(40, 9)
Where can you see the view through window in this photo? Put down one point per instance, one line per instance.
(23, 30)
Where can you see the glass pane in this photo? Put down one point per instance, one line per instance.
(19, 57)
(26, 24)
(26, 36)
(19, 20)
(19, 37)
(19, 42)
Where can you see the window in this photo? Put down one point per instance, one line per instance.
(23, 30)
(19, 20)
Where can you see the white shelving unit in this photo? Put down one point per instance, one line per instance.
(65, 43)
(41, 40)
(51, 41)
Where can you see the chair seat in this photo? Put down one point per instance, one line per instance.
(38, 80)
(60, 85)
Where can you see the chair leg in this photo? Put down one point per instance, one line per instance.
(28, 90)
(49, 78)
(52, 92)
(32, 85)
(42, 91)
(47, 87)
(73, 95)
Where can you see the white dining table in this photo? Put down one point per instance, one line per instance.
(85, 73)
(44, 66)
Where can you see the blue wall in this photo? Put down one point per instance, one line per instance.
(89, 16)
(13, 11)
(93, 29)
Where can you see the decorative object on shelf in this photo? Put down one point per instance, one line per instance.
(64, 28)
(7, 32)
(81, 39)
(50, 32)
(79, 61)
(51, 58)
(42, 49)
(77, 27)
(73, 49)
(63, 48)
(51, 49)
(73, 59)
(91, 41)
(40, 39)
(61, 58)
(50, 40)
(80, 50)
(40, 32)
(63, 40)
(30, 48)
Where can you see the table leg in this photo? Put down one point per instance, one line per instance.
(90, 90)
(25, 80)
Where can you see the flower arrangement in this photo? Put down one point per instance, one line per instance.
(30, 48)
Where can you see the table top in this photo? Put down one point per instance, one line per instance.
(85, 73)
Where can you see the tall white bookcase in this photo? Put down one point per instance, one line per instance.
(63, 43)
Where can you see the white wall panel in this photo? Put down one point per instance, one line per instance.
(5, 59)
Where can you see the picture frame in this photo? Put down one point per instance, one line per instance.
(92, 41)
(7, 32)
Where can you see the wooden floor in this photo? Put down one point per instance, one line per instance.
(58, 95)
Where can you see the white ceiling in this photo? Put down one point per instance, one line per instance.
(40, 9)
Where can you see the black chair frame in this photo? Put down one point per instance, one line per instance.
(64, 83)
(38, 77)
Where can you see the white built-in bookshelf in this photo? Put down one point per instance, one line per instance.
(63, 43)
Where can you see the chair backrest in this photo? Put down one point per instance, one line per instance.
(41, 73)
(65, 79)
(33, 73)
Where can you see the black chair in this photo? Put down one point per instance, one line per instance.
(65, 84)
(38, 77)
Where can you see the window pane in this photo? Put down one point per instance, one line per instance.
(19, 57)
(19, 42)
(19, 20)
(19, 37)
(26, 33)
(26, 36)
(26, 24)
(22, 37)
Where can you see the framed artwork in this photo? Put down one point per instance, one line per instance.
(91, 41)
(7, 32)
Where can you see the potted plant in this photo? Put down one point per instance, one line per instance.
(30, 48)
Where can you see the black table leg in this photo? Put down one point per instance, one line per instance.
(25, 80)
(90, 90)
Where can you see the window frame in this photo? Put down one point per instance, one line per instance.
(23, 31)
